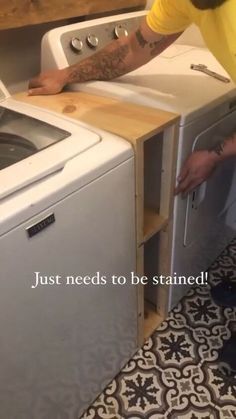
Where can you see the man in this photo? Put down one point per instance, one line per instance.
(165, 22)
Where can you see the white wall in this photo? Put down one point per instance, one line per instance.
(191, 36)
(149, 4)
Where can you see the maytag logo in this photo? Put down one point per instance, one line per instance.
(41, 225)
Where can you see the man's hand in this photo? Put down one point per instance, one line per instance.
(48, 83)
(196, 169)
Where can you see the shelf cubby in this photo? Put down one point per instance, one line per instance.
(156, 158)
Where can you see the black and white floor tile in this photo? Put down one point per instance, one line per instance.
(176, 375)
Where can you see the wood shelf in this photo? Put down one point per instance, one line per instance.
(156, 158)
(153, 223)
(18, 13)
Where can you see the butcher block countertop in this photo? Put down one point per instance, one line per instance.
(129, 121)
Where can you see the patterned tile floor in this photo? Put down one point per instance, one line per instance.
(176, 374)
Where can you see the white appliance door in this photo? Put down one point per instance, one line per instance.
(212, 200)
(62, 344)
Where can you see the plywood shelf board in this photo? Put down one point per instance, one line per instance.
(153, 223)
(169, 154)
(130, 121)
(140, 295)
(18, 13)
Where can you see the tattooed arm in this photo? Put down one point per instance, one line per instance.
(117, 58)
(200, 164)
(227, 148)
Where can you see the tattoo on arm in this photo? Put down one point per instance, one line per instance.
(105, 65)
(154, 46)
(157, 46)
(219, 148)
(113, 61)
(141, 40)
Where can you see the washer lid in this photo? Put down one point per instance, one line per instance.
(31, 148)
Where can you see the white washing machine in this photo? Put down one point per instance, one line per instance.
(205, 221)
(65, 330)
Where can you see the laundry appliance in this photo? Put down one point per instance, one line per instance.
(204, 221)
(65, 330)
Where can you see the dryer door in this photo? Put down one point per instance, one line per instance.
(210, 204)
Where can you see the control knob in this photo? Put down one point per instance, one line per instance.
(120, 31)
(92, 41)
(76, 45)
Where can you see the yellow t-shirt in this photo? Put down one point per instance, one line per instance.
(218, 26)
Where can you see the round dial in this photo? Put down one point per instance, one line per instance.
(120, 31)
(92, 41)
(76, 45)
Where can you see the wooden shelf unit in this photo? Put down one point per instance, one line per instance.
(156, 158)
(153, 134)
(153, 223)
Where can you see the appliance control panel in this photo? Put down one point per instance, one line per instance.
(80, 43)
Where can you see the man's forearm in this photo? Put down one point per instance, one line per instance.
(118, 58)
(225, 149)
(200, 165)
(113, 61)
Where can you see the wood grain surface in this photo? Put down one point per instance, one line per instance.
(130, 121)
(16, 13)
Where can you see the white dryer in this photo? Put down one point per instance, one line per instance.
(65, 330)
(205, 221)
